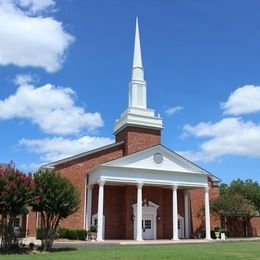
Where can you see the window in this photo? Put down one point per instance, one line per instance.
(179, 224)
(148, 224)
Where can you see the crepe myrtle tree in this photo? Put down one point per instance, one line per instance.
(16, 191)
(56, 199)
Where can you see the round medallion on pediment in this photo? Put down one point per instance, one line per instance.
(158, 158)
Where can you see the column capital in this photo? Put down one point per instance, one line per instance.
(139, 185)
(174, 187)
(101, 182)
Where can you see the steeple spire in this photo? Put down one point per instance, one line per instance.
(137, 86)
(137, 62)
(137, 114)
(138, 71)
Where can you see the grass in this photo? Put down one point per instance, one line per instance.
(243, 250)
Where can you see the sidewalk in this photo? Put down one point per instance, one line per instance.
(150, 242)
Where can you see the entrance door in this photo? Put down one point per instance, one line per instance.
(147, 226)
(180, 227)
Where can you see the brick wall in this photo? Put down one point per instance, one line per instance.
(197, 203)
(255, 226)
(137, 139)
(77, 170)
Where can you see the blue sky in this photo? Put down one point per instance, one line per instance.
(65, 68)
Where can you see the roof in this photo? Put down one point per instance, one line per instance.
(81, 155)
(212, 177)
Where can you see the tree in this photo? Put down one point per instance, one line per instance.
(57, 198)
(233, 206)
(16, 190)
(248, 189)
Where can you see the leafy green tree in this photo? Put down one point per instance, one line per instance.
(233, 206)
(16, 191)
(248, 189)
(57, 198)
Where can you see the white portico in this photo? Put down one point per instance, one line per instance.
(155, 166)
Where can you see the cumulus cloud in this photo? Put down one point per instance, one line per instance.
(52, 108)
(52, 149)
(172, 110)
(243, 100)
(28, 38)
(230, 136)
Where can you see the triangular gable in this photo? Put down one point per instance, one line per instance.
(157, 158)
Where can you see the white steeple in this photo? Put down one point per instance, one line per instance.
(137, 86)
(138, 71)
(137, 113)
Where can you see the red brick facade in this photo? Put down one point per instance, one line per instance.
(197, 204)
(137, 138)
(118, 200)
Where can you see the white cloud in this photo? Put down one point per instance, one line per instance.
(35, 6)
(31, 166)
(27, 38)
(172, 110)
(243, 100)
(52, 108)
(52, 149)
(23, 79)
(230, 136)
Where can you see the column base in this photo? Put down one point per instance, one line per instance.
(100, 240)
(208, 238)
(139, 239)
(175, 239)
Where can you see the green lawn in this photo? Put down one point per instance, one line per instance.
(246, 250)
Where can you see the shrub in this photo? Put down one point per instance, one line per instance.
(73, 234)
(93, 228)
(67, 233)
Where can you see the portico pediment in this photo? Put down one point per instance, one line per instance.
(157, 158)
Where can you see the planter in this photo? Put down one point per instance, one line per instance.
(217, 235)
(93, 235)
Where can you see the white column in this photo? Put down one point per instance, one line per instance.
(175, 213)
(139, 231)
(100, 210)
(207, 213)
(187, 213)
(89, 206)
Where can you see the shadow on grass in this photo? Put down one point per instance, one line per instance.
(26, 251)
(64, 249)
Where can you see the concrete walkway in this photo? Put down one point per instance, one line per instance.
(69, 243)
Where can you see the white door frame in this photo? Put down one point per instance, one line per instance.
(181, 231)
(151, 210)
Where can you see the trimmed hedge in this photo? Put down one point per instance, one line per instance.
(68, 233)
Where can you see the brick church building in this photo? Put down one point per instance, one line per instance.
(136, 188)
